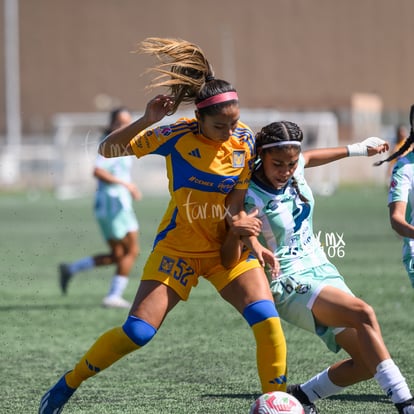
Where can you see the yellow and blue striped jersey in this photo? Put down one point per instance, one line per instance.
(201, 173)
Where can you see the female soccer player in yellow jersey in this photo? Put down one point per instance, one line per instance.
(208, 159)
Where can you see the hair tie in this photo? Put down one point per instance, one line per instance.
(209, 78)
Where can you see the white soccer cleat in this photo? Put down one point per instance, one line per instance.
(115, 302)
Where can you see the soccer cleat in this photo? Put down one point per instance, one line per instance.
(56, 397)
(65, 276)
(296, 391)
(406, 407)
(115, 302)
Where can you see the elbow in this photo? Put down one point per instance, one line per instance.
(398, 228)
(97, 173)
(394, 226)
(227, 264)
(109, 147)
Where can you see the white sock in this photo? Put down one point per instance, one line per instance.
(82, 264)
(392, 382)
(118, 285)
(320, 386)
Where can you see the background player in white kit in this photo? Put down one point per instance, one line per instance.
(116, 218)
(309, 292)
(401, 198)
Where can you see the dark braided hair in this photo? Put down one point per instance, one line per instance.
(407, 144)
(281, 132)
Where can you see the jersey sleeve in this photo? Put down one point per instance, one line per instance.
(105, 163)
(401, 182)
(247, 136)
(244, 178)
(148, 141)
(252, 201)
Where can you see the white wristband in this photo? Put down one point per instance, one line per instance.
(361, 148)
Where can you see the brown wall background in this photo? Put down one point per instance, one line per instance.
(283, 54)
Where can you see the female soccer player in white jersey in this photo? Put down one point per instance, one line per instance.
(208, 159)
(309, 292)
(401, 198)
(116, 218)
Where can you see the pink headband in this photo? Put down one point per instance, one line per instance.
(221, 97)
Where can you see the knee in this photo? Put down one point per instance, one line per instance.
(139, 331)
(134, 251)
(265, 323)
(259, 311)
(117, 255)
(365, 314)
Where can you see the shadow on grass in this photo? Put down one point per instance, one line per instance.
(234, 396)
(49, 307)
(340, 397)
(360, 397)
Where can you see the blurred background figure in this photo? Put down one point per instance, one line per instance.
(116, 218)
(401, 134)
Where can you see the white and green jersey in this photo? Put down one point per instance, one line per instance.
(402, 189)
(110, 198)
(287, 223)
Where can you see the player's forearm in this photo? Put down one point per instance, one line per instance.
(322, 156)
(106, 176)
(231, 250)
(117, 143)
(368, 147)
(402, 228)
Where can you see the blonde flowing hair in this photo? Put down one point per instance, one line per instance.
(183, 68)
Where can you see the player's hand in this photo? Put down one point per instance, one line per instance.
(265, 257)
(244, 224)
(158, 107)
(382, 147)
(133, 189)
(368, 147)
(268, 258)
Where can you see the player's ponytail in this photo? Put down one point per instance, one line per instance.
(186, 72)
(407, 143)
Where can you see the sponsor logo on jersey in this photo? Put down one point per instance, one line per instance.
(302, 289)
(272, 205)
(165, 130)
(138, 143)
(239, 157)
(200, 181)
(226, 185)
